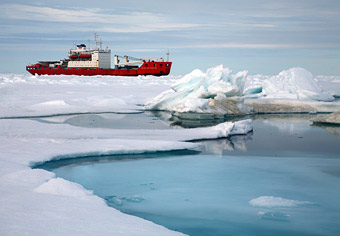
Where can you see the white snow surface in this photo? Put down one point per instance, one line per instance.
(330, 83)
(34, 201)
(194, 92)
(27, 95)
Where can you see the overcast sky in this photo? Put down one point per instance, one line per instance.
(264, 36)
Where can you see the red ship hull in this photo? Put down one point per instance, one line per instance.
(147, 68)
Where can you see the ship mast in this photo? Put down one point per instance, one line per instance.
(167, 55)
(95, 40)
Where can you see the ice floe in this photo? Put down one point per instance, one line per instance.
(271, 201)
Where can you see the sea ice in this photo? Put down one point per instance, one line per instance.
(59, 186)
(193, 92)
(33, 198)
(24, 95)
(295, 83)
(330, 119)
(253, 85)
(270, 201)
(220, 92)
(34, 202)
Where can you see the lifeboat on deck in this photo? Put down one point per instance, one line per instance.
(85, 55)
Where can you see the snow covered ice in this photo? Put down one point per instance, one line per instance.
(26, 95)
(295, 83)
(33, 201)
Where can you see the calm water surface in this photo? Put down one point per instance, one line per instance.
(281, 179)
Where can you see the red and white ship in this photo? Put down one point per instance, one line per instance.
(97, 61)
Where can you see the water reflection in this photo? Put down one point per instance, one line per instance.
(283, 122)
(168, 120)
(231, 144)
(284, 130)
(331, 129)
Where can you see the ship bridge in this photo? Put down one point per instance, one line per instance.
(96, 57)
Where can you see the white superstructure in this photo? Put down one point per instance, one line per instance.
(83, 57)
